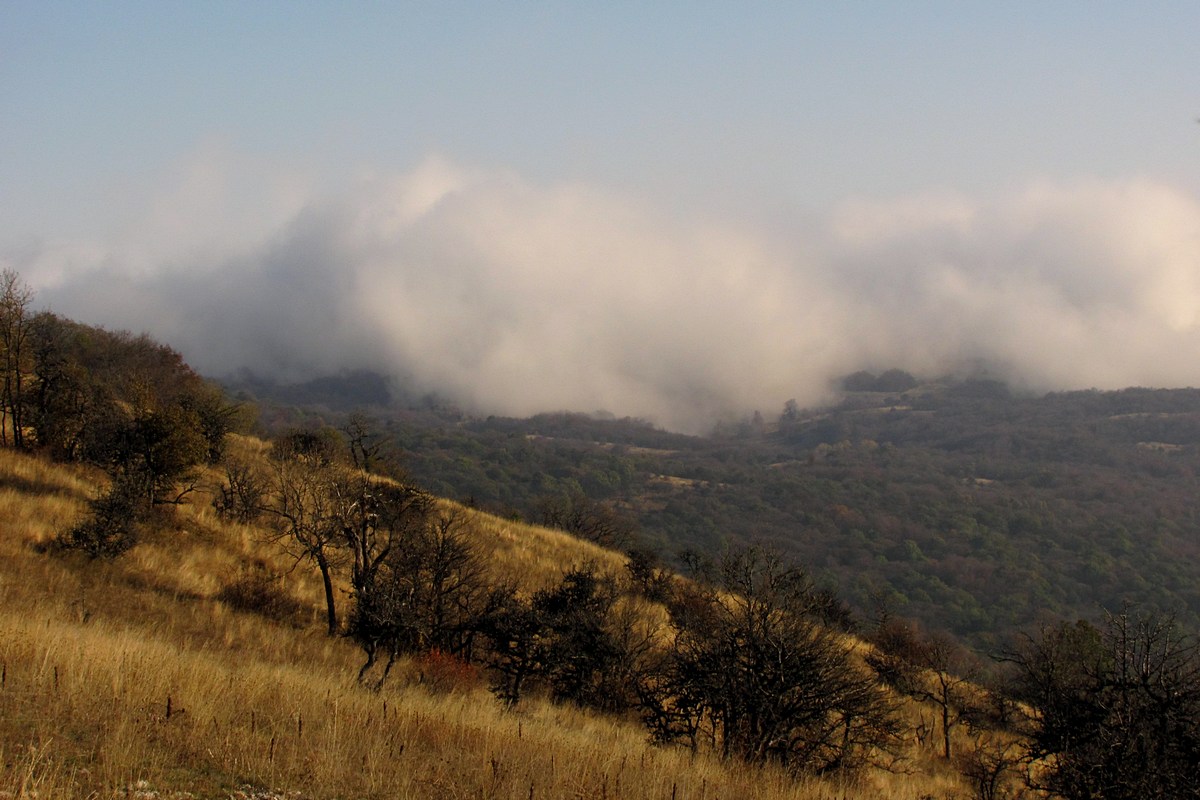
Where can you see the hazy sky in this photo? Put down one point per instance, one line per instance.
(673, 210)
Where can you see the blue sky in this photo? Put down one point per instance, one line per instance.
(141, 138)
(780, 103)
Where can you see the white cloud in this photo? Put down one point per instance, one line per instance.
(515, 297)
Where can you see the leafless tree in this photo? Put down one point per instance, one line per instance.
(989, 766)
(932, 668)
(946, 683)
(424, 590)
(243, 496)
(751, 671)
(1116, 708)
(586, 518)
(15, 361)
(306, 517)
(365, 444)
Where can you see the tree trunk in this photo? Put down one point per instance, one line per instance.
(946, 728)
(330, 609)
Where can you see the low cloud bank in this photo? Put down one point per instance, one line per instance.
(513, 297)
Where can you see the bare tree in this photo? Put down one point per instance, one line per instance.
(989, 765)
(751, 671)
(586, 518)
(376, 515)
(306, 519)
(424, 588)
(365, 444)
(946, 682)
(1116, 709)
(15, 297)
(932, 668)
(243, 496)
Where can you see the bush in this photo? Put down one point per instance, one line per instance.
(111, 527)
(257, 591)
(243, 495)
(446, 673)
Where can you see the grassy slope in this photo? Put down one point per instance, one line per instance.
(129, 679)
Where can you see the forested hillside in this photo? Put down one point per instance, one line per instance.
(955, 502)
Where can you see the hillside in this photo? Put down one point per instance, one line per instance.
(134, 678)
(959, 503)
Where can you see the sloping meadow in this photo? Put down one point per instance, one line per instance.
(141, 677)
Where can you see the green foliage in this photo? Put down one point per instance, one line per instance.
(567, 640)
(163, 446)
(512, 630)
(579, 652)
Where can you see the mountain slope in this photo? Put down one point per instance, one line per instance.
(958, 503)
(133, 677)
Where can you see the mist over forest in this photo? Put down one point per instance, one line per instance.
(513, 296)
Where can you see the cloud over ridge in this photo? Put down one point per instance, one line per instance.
(515, 297)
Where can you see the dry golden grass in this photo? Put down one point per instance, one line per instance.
(129, 679)
(530, 555)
